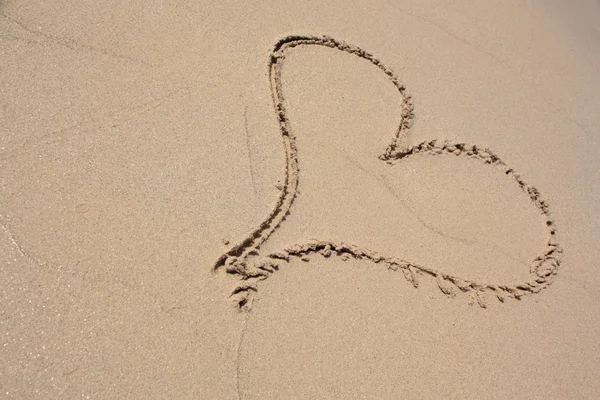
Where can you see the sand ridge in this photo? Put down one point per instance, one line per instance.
(246, 261)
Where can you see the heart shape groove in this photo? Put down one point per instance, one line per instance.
(237, 262)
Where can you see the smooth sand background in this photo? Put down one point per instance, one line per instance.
(135, 137)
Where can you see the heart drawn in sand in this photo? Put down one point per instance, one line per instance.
(246, 260)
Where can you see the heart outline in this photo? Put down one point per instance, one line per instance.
(543, 268)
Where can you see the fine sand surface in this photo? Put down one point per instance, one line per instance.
(257, 200)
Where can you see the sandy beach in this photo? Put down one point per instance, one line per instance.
(343, 200)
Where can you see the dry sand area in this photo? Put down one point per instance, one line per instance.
(273, 200)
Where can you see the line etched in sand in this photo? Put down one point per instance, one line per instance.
(237, 262)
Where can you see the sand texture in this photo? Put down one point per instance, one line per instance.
(261, 200)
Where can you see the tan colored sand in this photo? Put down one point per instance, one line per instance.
(138, 143)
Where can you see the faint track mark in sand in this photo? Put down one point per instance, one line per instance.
(385, 184)
(68, 43)
(238, 353)
(250, 163)
(237, 262)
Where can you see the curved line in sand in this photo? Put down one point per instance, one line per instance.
(543, 268)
